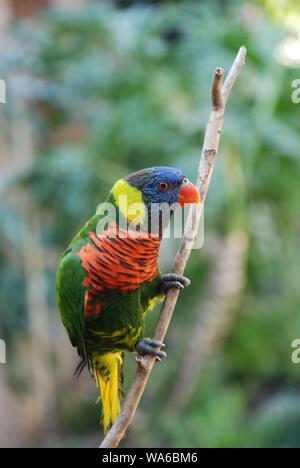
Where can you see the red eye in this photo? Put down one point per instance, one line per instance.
(163, 186)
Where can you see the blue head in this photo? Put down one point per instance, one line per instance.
(143, 196)
(163, 185)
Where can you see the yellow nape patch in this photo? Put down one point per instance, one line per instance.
(130, 201)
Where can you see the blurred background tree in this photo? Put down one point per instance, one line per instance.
(95, 90)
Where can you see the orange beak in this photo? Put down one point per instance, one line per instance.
(188, 194)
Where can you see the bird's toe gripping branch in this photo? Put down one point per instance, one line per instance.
(171, 280)
(149, 347)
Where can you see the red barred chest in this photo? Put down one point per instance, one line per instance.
(116, 259)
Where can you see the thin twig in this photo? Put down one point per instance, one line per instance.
(216, 95)
(207, 162)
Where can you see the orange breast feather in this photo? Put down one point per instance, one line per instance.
(115, 259)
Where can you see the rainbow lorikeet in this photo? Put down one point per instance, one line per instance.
(108, 278)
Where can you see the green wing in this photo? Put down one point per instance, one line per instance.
(70, 297)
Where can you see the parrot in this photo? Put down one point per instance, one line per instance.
(108, 278)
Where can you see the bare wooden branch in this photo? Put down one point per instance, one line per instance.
(207, 162)
(237, 65)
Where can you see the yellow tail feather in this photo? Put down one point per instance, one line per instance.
(106, 373)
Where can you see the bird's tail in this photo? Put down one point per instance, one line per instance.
(106, 371)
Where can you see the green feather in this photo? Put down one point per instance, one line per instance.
(70, 297)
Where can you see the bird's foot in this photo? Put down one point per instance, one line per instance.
(149, 347)
(171, 280)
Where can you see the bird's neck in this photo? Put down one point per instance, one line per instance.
(126, 207)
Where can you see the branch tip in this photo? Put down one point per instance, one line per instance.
(219, 71)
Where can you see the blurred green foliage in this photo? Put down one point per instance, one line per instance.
(109, 90)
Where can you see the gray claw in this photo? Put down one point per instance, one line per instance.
(171, 280)
(173, 284)
(150, 347)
